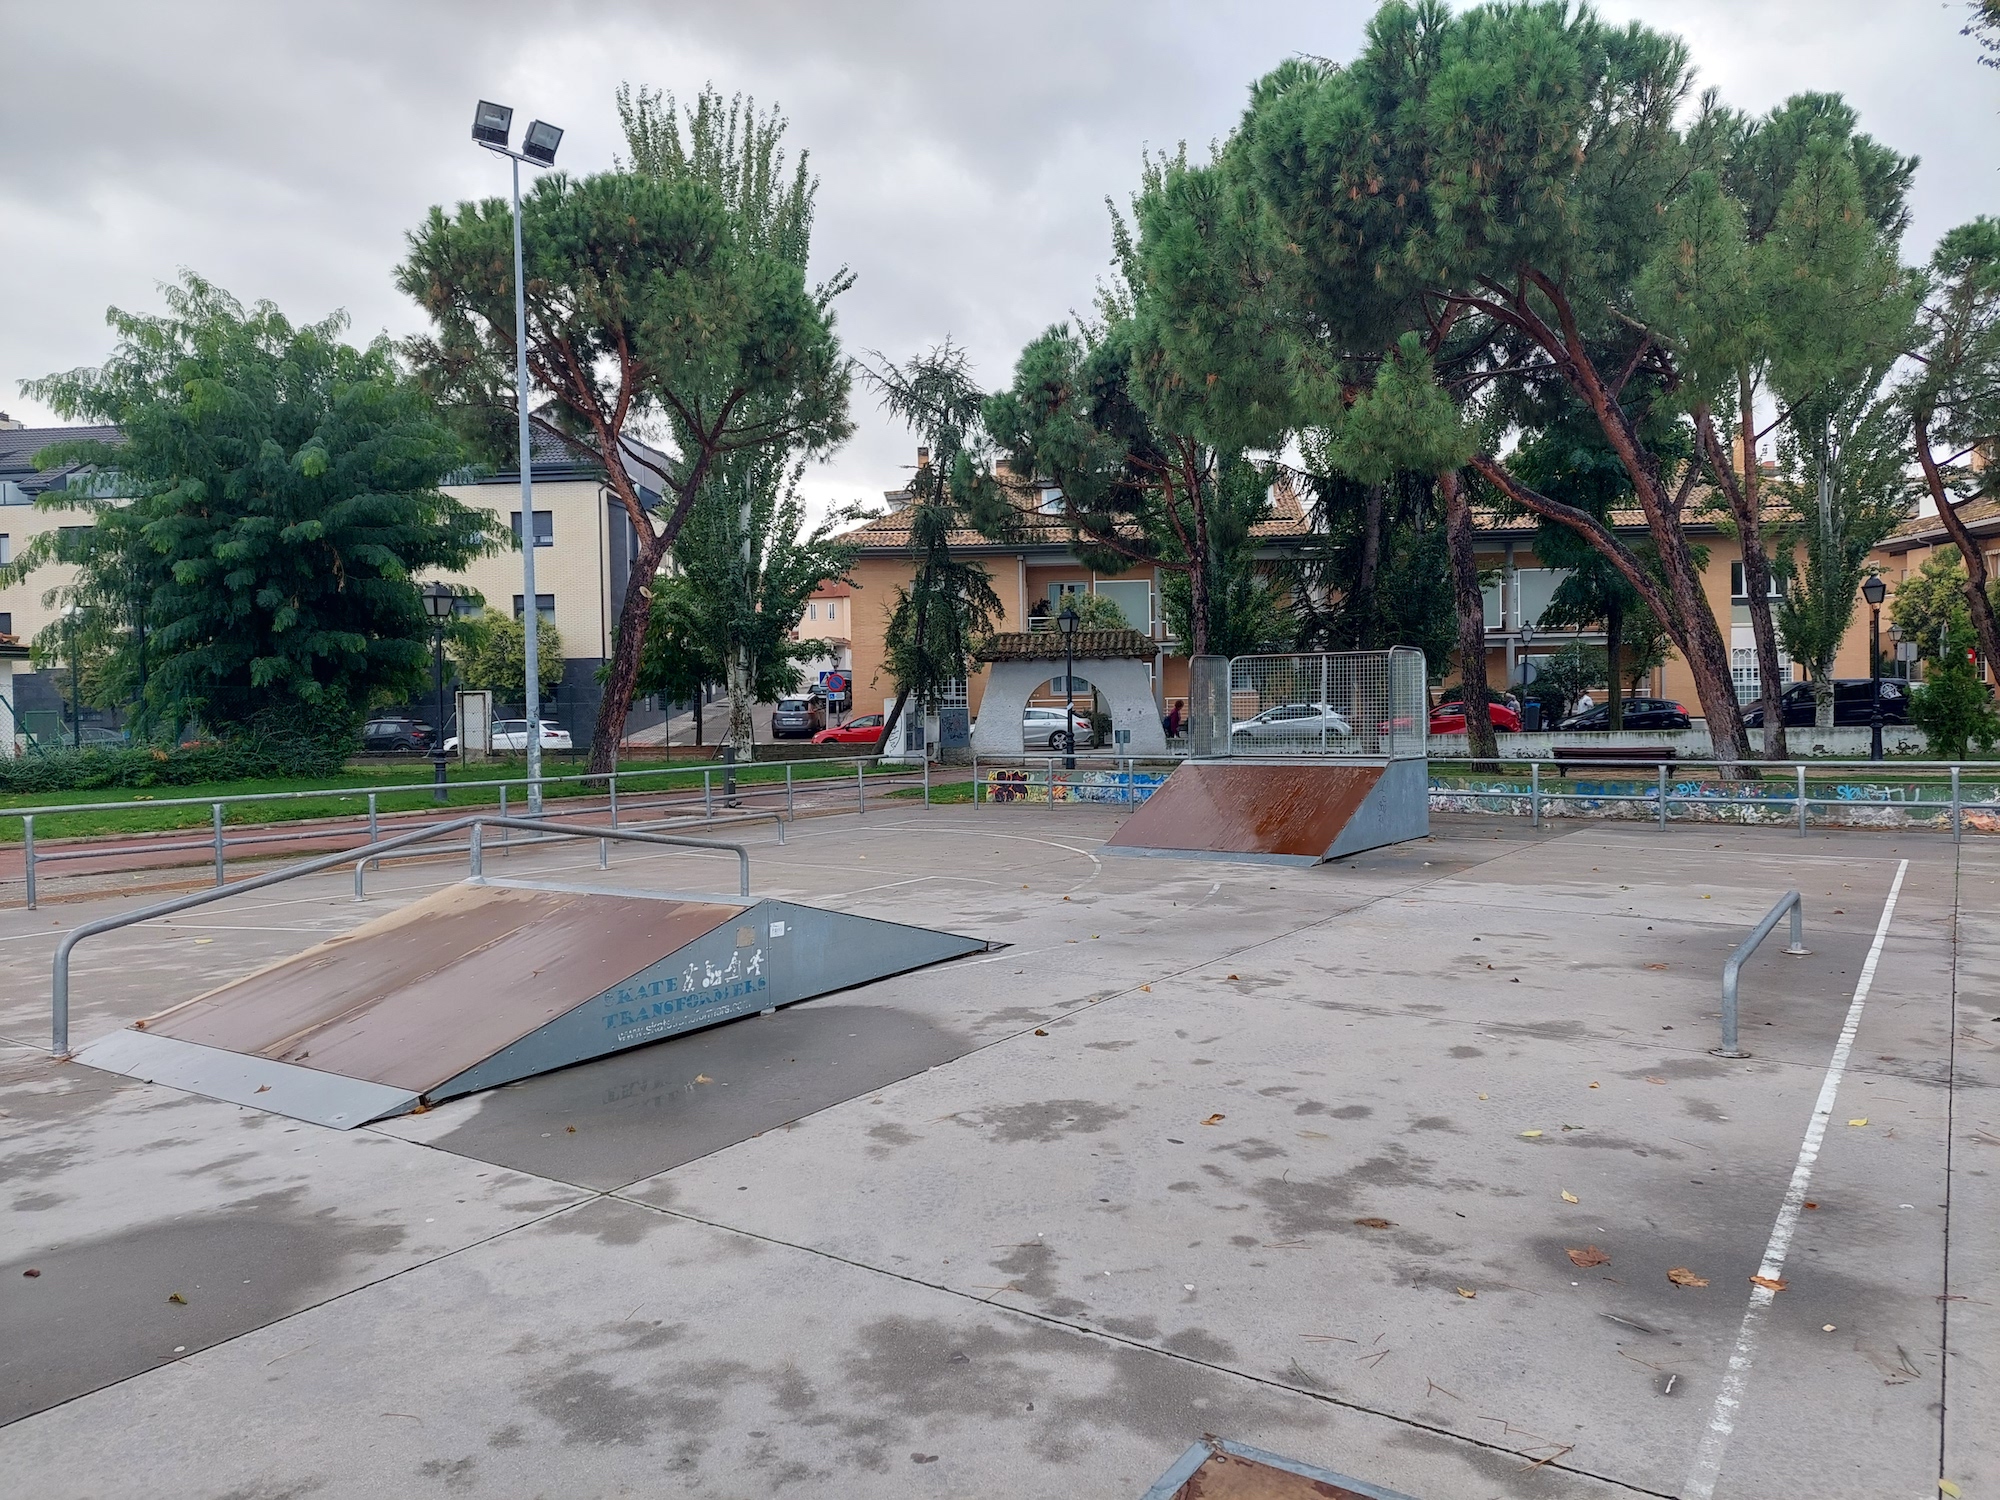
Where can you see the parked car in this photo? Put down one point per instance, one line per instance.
(1449, 718)
(1044, 726)
(512, 734)
(1850, 704)
(1298, 724)
(1639, 713)
(865, 730)
(396, 735)
(1453, 701)
(96, 737)
(797, 718)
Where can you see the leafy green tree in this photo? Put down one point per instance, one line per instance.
(683, 655)
(750, 560)
(1510, 169)
(650, 298)
(489, 651)
(1374, 572)
(279, 488)
(1984, 28)
(937, 617)
(1095, 612)
(1954, 709)
(1953, 399)
(1930, 608)
(1565, 676)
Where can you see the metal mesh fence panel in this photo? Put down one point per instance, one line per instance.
(1359, 703)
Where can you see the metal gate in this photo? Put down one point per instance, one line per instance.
(1350, 703)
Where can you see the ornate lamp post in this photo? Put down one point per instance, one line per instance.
(440, 603)
(75, 678)
(1873, 590)
(1067, 622)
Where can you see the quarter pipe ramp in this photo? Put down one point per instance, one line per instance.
(1298, 811)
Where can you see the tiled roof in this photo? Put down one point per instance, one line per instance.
(1037, 528)
(1978, 516)
(1085, 645)
(19, 445)
(1704, 512)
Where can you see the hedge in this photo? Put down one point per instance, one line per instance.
(256, 754)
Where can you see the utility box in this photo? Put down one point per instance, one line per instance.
(475, 725)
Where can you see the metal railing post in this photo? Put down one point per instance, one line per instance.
(28, 851)
(374, 832)
(1802, 801)
(927, 781)
(475, 863)
(217, 808)
(975, 778)
(503, 814)
(707, 795)
(861, 786)
(1734, 967)
(613, 779)
(1534, 794)
(788, 797)
(1956, 821)
(604, 854)
(1663, 796)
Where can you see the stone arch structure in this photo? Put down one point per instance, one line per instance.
(1115, 661)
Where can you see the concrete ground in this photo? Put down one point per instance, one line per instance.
(1327, 1161)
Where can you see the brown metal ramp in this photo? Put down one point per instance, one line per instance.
(1296, 811)
(486, 982)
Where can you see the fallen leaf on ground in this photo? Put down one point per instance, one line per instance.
(1213, 1120)
(177, 1298)
(1466, 1291)
(204, 940)
(1651, 1079)
(1040, 1032)
(1593, 1085)
(570, 1128)
(703, 1078)
(1373, 1223)
(262, 1088)
(1946, 1487)
(1232, 976)
(1569, 1197)
(1147, 988)
(1862, 1121)
(1587, 1257)
(1656, 966)
(1529, 1135)
(1826, 1328)
(1811, 1204)
(1482, 1096)
(1574, 1127)
(1682, 1276)
(31, 1273)
(1770, 1283)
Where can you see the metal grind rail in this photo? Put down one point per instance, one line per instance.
(474, 826)
(722, 787)
(1734, 967)
(1662, 787)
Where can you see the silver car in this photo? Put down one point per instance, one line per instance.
(1044, 727)
(1292, 726)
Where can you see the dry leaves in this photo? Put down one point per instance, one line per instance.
(1529, 1135)
(1214, 1120)
(1862, 1121)
(703, 1078)
(1587, 1257)
(1651, 1079)
(177, 1299)
(1682, 1276)
(1467, 1292)
(1146, 989)
(1374, 1223)
(1040, 1032)
(1770, 1283)
(1569, 1197)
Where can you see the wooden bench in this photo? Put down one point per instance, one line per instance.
(1609, 755)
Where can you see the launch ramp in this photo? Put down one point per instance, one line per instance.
(1296, 811)
(490, 981)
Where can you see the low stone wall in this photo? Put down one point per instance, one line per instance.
(1848, 742)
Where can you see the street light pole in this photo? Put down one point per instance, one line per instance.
(1067, 621)
(1873, 591)
(75, 680)
(491, 124)
(440, 602)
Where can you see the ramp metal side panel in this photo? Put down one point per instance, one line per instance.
(773, 954)
(1397, 808)
(1289, 811)
(298, 1093)
(419, 996)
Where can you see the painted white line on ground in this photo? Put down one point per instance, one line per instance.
(1707, 1466)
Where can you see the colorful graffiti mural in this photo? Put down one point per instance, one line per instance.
(1914, 804)
(1023, 785)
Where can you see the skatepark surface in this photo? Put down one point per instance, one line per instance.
(1382, 1165)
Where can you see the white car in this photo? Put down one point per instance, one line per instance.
(512, 734)
(1044, 726)
(1297, 725)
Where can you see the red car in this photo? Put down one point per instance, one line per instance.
(865, 730)
(1449, 718)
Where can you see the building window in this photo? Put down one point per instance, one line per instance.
(1738, 591)
(832, 609)
(1051, 501)
(464, 606)
(545, 608)
(6, 623)
(812, 611)
(6, 549)
(545, 528)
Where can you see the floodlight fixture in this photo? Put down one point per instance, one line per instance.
(491, 124)
(1874, 590)
(539, 144)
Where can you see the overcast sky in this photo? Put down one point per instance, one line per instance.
(964, 150)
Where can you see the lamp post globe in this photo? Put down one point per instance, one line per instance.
(491, 124)
(440, 603)
(1874, 591)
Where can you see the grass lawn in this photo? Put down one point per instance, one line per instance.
(301, 798)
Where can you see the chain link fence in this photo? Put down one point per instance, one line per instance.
(1359, 703)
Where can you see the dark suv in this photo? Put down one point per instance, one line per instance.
(395, 735)
(1850, 704)
(1640, 713)
(797, 718)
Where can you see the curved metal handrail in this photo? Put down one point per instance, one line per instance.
(59, 980)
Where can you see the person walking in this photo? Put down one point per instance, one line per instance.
(1176, 716)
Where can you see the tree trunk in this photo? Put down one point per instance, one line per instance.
(700, 703)
(1978, 603)
(1198, 582)
(1366, 635)
(1614, 652)
(1748, 506)
(1479, 738)
(634, 616)
(1823, 701)
(921, 657)
(742, 691)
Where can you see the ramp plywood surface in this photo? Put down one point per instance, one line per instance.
(1295, 811)
(414, 998)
